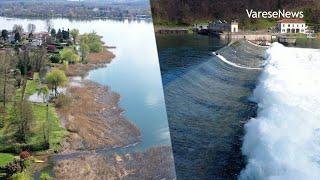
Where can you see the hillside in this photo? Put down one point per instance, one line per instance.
(186, 12)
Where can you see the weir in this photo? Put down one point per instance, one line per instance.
(207, 106)
(244, 54)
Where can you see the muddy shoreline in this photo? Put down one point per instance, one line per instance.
(97, 128)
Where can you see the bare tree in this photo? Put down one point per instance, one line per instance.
(31, 28)
(7, 62)
(49, 25)
(18, 29)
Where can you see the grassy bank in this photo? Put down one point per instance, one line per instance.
(35, 139)
(5, 158)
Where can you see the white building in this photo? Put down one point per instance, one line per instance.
(292, 26)
(234, 26)
(224, 26)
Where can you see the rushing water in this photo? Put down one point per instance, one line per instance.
(207, 104)
(282, 142)
(134, 73)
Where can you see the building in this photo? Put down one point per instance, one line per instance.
(223, 26)
(234, 27)
(292, 26)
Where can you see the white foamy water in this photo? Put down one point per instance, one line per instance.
(283, 141)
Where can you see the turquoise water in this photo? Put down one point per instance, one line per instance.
(134, 73)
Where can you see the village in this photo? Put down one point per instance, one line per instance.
(285, 31)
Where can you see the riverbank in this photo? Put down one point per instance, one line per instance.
(95, 60)
(155, 163)
(96, 127)
(94, 118)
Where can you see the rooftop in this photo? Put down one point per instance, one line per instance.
(291, 21)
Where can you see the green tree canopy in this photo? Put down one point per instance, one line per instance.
(84, 49)
(56, 78)
(74, 33)
(93, 41)
(68, 54)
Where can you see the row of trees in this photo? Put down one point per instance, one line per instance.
(187, 12)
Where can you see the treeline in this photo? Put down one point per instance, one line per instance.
(70, 9)
(186, 12)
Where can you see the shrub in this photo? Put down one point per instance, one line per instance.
(45, 176)
(62, 100)
(69, 55)
(95, 47)
(24, 155)
(21, 176)
(55, 58)
(12, 168)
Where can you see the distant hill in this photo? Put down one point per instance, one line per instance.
(186, 12)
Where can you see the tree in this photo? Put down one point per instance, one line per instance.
(84, 50)
(22, 118)
(69, 55)
(5, 34)
(17, 37)
(49, 24)
(59, 35)
(74, 33)
(95, 47)
(56, 78)
(93, 41)
(65, 34)
(44, 92)
(38, 59)
(31, 28)
(7, 80)
(53, 33)
(18, 29)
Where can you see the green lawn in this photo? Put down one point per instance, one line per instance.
(40, 122)
(56, 131)
(5, 158)
(31, 87)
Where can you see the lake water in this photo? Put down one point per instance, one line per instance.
(134, 73)
(207, 104)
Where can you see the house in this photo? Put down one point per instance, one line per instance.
(223, 26)
(291, 26)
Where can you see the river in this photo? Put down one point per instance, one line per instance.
(207, 103)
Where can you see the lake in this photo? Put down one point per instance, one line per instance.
(134, 72)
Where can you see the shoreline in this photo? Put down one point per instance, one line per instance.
(91, 140)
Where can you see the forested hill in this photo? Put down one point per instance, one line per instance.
(179, 12)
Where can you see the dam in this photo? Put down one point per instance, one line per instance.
(208, 102)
